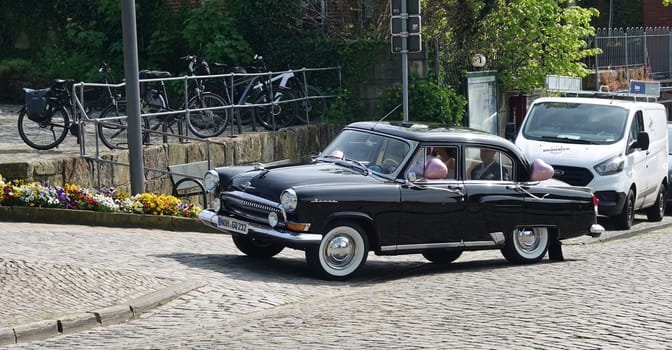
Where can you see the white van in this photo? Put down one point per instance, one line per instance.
(616, 147)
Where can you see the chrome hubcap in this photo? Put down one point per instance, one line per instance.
(527, 240)
(339, 252)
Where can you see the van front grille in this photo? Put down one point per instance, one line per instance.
(573, 175)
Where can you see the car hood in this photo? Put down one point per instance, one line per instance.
(269, 183)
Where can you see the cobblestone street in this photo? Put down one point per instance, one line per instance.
(611, 295)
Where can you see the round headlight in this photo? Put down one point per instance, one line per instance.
(211, 180)
(272, 219)
(288, 199)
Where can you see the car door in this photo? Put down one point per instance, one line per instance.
(432, 209)
(493, 202)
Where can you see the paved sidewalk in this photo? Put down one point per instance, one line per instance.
(39, 301)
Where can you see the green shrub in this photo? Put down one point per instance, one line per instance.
(15, 74)
(427, 101)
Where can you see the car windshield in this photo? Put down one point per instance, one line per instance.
(580, 123)
(379, 153)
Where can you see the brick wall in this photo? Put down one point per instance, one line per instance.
(655, 14)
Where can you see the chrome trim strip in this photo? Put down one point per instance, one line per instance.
(389, 248)
(211, 219)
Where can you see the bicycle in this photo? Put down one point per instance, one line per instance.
(272, 109)
(47, 115)
(209, 117)
(312, 106)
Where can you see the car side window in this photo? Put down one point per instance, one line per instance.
(434, 163)
(489, 164)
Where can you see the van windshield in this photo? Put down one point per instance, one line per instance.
(575, 123)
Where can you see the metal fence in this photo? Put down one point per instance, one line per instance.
(628, 49)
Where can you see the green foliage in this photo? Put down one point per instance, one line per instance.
(211, 33)
(340, 108)
(16, 73)
(528, 39)
(265, 23)
(427, 101)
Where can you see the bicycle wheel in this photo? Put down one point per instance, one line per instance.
(112, 129)
(45, 134)
(209, 122)
(311, 109)
(279, 114)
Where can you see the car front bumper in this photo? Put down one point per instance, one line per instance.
(210, 218)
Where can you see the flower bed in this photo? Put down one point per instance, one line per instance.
(32, 194)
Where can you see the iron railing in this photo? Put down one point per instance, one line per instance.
(633, 51)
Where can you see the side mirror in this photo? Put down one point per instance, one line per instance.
(540, 170)
(411, 176)
(642, 141)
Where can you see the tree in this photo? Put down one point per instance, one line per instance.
(524, 40)
(529, 39)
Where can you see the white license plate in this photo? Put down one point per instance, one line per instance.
(232, 224)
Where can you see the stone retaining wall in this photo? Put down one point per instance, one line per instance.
(296, 143)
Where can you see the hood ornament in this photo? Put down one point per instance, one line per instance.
(247, 186)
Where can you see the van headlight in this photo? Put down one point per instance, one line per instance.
(610, 166)
(211, 180)
(288, 199)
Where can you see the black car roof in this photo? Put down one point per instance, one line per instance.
(429, 132)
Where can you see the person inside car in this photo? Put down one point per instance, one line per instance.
(447, 156)
(489, 168)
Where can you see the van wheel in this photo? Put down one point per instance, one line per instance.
(657, 211)
(626, 218)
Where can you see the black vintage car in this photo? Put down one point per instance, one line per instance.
(401, 188)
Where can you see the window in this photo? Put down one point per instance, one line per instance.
(435, 163)
(489, 164)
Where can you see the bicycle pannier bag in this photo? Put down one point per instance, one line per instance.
(36, 104)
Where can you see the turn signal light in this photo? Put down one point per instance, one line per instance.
(298, 226)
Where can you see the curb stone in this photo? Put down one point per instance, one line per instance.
(80, 321)
(94, 218)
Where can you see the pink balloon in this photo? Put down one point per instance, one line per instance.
(435, 169)
(540, 170)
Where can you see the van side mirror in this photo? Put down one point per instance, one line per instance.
(642, 141)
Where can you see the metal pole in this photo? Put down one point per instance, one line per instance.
(404, 58)
(135, 156)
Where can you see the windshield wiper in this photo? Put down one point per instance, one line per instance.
(353, 164)
(568, 140)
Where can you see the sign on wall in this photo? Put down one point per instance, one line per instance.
(482, 101)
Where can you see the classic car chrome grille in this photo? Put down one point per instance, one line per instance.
(574, 176)
(249, 206)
